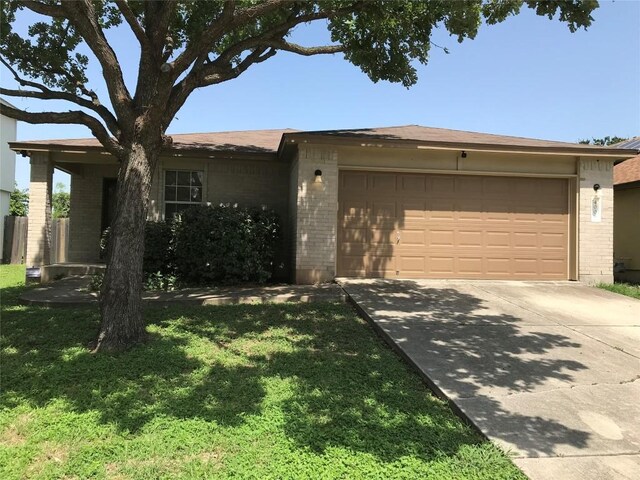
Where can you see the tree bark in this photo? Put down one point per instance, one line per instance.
(120, 297)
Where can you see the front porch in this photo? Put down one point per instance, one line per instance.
(57, 271)
(92, 196)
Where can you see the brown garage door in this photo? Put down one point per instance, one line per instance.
(395, 225)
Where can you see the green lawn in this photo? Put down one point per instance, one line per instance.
(627, 289)
(249, 391)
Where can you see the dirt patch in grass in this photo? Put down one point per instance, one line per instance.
(15, 434)
(50, 453)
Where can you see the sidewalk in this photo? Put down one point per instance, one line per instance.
(73, 292)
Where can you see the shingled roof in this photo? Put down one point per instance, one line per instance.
(627, 171)
(246, 141)
(270, 141)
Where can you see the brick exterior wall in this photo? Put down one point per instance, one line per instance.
(249, 183)
(254, 183)
(316, 214)
(39, 228)
(595, 239)
(86, 212)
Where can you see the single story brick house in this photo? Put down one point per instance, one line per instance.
(397, 202)
(626, 225)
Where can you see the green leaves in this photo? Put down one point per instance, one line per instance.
(19, 202)
(47, 53)
(382, 37)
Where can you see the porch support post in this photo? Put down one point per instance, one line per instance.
(39, 230)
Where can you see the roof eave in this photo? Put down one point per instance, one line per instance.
(22, 147)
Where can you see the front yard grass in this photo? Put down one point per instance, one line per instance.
(288, 391)
(627, 289)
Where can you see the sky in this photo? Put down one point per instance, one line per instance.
(528, 76)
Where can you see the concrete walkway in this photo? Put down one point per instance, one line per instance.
(73, 291)
(549, 371)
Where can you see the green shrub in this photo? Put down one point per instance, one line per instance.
(225, 244)
(158, 249)
(158, 264)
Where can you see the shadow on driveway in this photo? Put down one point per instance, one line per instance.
(469, 350)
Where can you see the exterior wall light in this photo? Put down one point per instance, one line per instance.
(318, 174)
(463, 154)
(596, 187)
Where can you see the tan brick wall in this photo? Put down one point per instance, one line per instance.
(86, 212)
(246, 182)
(39, 229)
(316, 219)
(293, 212)
(595, 239)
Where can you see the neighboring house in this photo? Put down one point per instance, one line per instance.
(7, 167)
(398, 202)
(626, 224)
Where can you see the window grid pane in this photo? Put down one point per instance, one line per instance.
(182, 190)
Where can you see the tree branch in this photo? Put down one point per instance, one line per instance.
(227, 21)
(75, 117)
(46, 93)
(300, 50)
(135, 26)
(210, 77)
(47, 9)
(83, 17)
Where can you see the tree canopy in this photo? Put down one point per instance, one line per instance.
(603, 142)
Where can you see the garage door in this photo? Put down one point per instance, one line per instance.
(452, 226)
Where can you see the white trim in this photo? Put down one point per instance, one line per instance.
(456, 172)
(164, 185)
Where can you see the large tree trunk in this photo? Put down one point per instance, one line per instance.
(120, 297)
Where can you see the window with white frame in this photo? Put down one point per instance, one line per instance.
(182, 189)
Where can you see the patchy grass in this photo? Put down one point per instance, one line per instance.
(627, 289)
(248, 391)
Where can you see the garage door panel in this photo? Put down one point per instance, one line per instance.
(413, 237)
(384, 235)
(470, 266)
(409, 265)
(442, 186)
(354, 235)
(412, 209)
(525, 240)
(381, 211)
(381, 265)
(468, 186)
(460, 227)
(497, 239)
(441, 238)
(470, 238)
(441, 264)
(412, 185)
(382, 184)
(553, 241)
(553, 267)
(497, 266)
(496, 187)
(354, 182)
(354, 209)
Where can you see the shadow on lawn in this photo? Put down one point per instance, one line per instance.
(222, 364)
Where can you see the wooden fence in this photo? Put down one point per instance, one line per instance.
(15, 240)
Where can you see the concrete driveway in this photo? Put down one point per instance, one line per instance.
(550, 371)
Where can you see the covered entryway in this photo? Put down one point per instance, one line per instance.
(410, 225)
